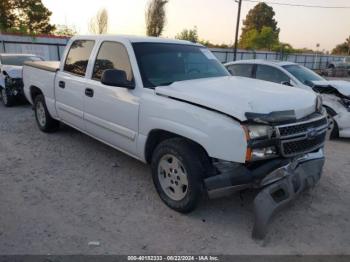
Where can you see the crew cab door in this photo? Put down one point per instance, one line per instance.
(111, 112)
(70, 84)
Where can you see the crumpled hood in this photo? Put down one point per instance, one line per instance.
(13, 71)
(236, 96)
(343, 87)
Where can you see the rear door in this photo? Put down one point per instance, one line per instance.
(271, 74)
(111, 112)
(70, 84)
(244, 70)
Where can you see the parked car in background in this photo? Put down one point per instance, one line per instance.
(11, 84)
(172, 104)
(335, 93)
(343, 63)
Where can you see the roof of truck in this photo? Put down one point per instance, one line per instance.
(262, 61)
(135, 39)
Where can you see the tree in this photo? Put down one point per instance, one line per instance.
(265, 39)
(99, 24)
(25, 16)
(34, 16)
(155, 17)
(342, 49)
(7, 16)
(260, 28)
(64, 30)
(189, 35)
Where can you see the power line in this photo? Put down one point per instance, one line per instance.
(299, 5)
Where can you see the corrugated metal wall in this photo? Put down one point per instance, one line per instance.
(48, 47)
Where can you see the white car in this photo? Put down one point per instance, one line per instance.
(171, 104)
(11, 85)
(335, 93)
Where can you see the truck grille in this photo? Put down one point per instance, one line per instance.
(296, 129)
(302, 137)
(290, 148)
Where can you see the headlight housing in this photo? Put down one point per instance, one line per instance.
(258, 131)
(260, 142)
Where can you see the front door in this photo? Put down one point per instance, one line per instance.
(111, 113)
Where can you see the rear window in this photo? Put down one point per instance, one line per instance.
(18, 60)
(78, 57)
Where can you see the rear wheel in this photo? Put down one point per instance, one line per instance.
(6, 99)
(45, 122)
(177, 173)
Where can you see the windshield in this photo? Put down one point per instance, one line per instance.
(303, 74)
(163, 64)
(18, 60)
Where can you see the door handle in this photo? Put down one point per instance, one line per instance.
(89, 92)
(61, 84)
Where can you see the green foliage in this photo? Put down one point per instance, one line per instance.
(260, 16)
(260, 29)
(189, 35)
(265, 39)
(7, 16)
(342, 49)
(25, 16)
(155, 17)
(212, 45)
(64, 30)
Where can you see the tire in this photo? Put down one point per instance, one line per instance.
(333, 130)
(43, 119)
(177, 172)
(7, 100)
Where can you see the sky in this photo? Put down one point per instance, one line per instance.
(214, 19)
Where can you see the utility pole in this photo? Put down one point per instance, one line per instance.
(237, 29)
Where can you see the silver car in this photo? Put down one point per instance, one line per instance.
(335, 93)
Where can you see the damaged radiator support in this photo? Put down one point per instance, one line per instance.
(284, 181)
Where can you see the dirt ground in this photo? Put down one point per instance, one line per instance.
(60, 191)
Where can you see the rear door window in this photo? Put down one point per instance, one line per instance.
(271, 74)
(244, 70)
(78, 57)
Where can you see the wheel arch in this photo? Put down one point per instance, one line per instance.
(34, 92)
(330, 110)
(156, 136)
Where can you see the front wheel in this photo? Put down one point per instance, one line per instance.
(45, 122)
(177, 173)
(6, 99)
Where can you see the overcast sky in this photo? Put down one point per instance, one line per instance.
(215, 19)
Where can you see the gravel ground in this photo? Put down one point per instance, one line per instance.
(60, 191)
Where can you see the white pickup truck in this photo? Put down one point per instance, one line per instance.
(170, 103)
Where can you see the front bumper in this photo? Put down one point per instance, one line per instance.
(285, 180)
(283, 186)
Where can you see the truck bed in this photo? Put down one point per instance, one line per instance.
(51, 66)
